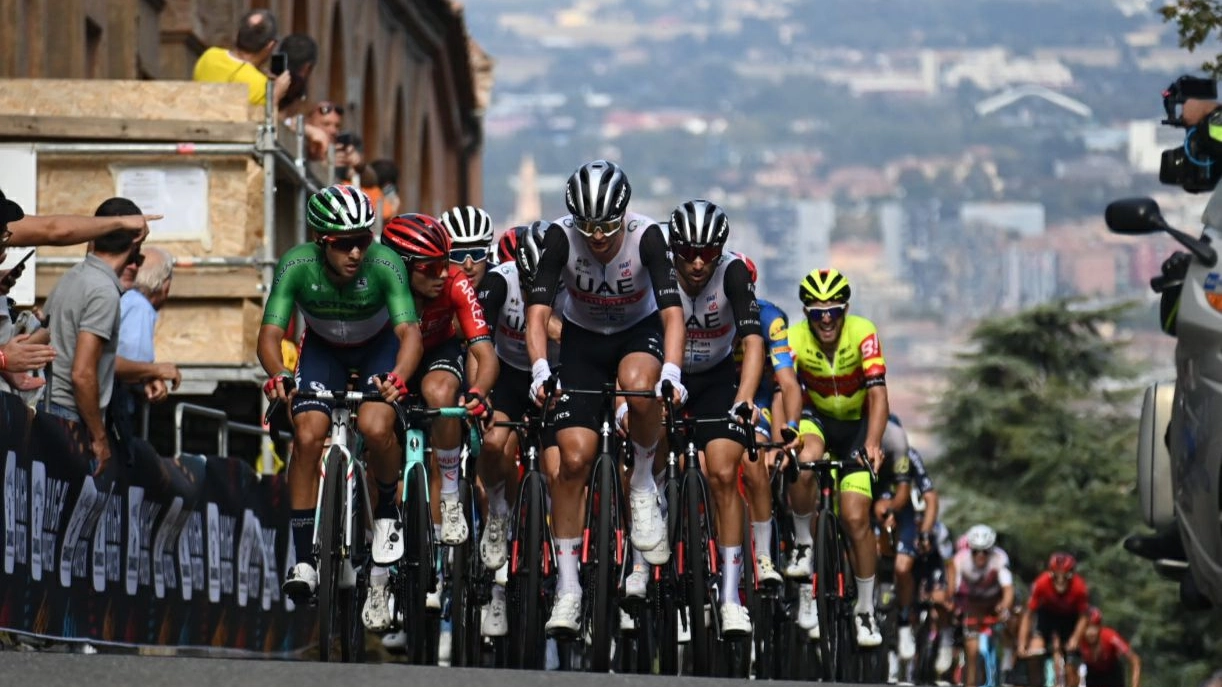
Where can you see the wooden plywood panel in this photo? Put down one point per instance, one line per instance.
(190, 283)
(77, 185)
(209, 332)
(154, 100)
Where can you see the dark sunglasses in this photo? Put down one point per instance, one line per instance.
(459, 255)
(429, 268)
(328, 108)
(136, 259)
(608, 228)
(815, 313)
(689, 253)
(345, 244)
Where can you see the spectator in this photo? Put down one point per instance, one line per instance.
(139, 308)
(20, 229)
(382, 186)
(10, 380)
(329, 117)
(301, 53)
(19, 353)
(83, 310)
(255, 43)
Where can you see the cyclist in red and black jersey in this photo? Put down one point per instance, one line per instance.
(1059, 606)
(444, 296)
(1102, 648)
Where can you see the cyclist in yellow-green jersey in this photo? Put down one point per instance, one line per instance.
(840, 364)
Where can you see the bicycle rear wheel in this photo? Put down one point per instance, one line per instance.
(330, 538)
(355, 567)
(465, 579)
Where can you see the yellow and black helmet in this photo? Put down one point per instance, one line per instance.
(824, 285)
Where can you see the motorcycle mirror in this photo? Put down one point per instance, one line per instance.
(1134, 217)
(1137, 216)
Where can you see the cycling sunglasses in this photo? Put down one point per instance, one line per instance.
(460, 255)
(608, 228)
(815, 313)
(429, 268)
(345, 244)
(328, 108)
(708, 254)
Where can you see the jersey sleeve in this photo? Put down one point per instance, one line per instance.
(1005, 577)
(551, 266)
(872, 363)
(656, 259)
(492, 294)
(1081, 595)
(399, 301)
(278, 311)
(467, 308)
(920, 476)
(777, 324)
(1039, 590)
(741, 294)
(1117, 642)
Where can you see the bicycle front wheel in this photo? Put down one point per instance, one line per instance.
(330, 561)
(417, 575)
(604, 566)
(696, 518)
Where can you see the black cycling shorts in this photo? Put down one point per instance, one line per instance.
(323, 366)
(447, 356)
(709, 394)
(1050, 625)
(511, 393)
(841, 437)
(589, 360)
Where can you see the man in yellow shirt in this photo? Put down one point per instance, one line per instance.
(254, 45)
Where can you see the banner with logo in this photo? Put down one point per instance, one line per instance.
(188, 551)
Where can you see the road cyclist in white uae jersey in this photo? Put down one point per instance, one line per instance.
(623, 321)
(359, 314)
(502, 294)
(719, 308)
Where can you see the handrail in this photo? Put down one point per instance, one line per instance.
(224, 428)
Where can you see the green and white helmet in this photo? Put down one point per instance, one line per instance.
(340, 209)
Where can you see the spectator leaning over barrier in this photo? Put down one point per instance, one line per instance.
(19, 353)
(139, 308)
(83, 312)
(255, 43)
(61, 230)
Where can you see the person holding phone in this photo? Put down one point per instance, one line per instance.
(252, 48)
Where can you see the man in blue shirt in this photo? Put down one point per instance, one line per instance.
(139, 308)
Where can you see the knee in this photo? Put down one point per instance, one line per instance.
(439, 389)
(309, 432)
(856, 521)
(377, 433)
(723, 474)
(572, 466)
(903, 565)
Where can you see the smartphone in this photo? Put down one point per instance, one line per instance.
(22, 261)
(280, 63)
(344, 139)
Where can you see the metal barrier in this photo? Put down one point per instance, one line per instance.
(223, 429)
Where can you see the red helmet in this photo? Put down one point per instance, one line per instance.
(507, 247)
(1061, 562)
(1094, 616)
(416, 236)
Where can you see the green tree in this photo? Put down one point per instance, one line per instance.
(1197, 21)
(1039, 443)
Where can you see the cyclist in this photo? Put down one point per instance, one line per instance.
(1060, 601)
(983, 586)
(623, 321)
(470, 230)
(719, 306)
(501, 296)
(507, 246)
(445, 295)
(359, 315)
(1102, 648)
(840, 362)
(779, 400)
(906, 483)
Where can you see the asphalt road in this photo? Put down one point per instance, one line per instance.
(48, 669)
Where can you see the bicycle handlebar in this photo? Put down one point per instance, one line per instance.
(673, 424)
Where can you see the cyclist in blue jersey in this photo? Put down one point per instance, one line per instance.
(779, 399)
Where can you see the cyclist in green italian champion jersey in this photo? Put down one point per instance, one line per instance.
(359, 315)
